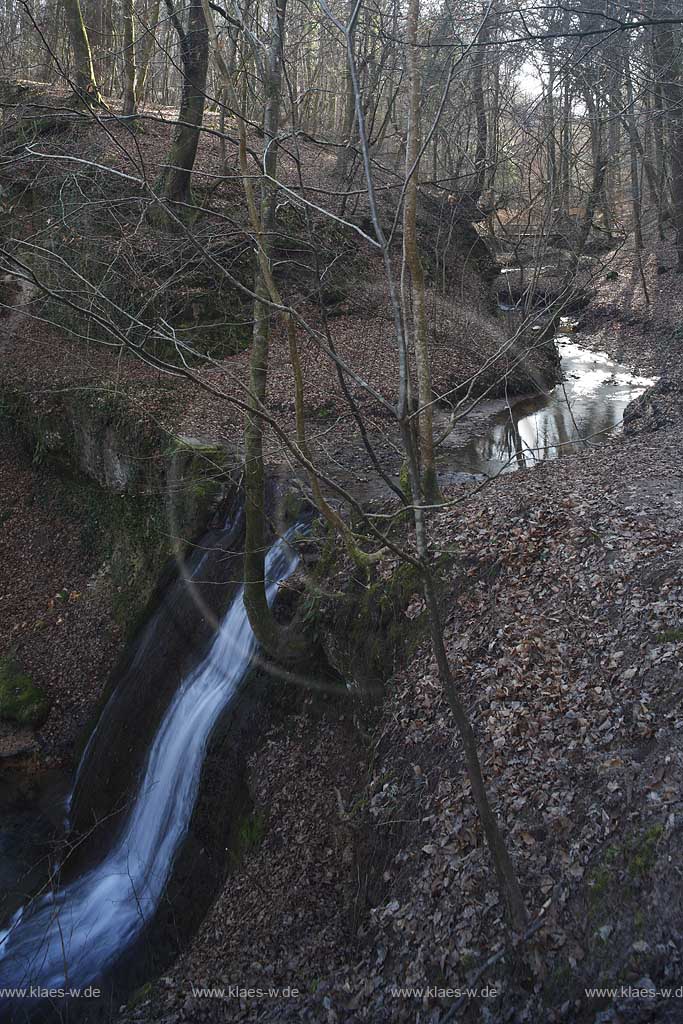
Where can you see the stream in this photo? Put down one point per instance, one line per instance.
(72, 934)
(504, 435)
(583, 410)
(75, 931)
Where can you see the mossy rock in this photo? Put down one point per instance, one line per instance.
(21, 701)
(250, 833)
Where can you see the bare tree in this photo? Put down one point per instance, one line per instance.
(175, 181)
(84, 73)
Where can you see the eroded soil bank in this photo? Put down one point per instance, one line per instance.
(368, 876)
(361, 871)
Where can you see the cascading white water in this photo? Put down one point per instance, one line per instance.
(68, 938)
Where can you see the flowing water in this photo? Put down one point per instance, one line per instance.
(498, 436)
(585, 409)
(71, 936)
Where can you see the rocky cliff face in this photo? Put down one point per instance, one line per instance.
(98, 505)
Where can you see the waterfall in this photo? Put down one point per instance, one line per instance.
(69, 937)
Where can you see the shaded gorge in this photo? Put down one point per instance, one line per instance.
(137, 787)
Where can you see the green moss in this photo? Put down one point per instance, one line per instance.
(250, 833)
(323, 412)
(199, 449)
(670, 636)
(611, 854)
(130, 535)
(642, 852)
(365, 619)
(430, 483)
(127, 533)
(380, 636)
(404, 480)
(620, 875)
(599, 882)
(309, 609)
(21, 701)
(140, 995)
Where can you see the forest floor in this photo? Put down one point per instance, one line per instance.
(55, 613)
(49, 358)
(368, 876)
(126, 259)
(370, 892)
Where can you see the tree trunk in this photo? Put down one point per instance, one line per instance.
(129, 69)
(146, 49)
(502, 863)
(349, 112)
(599, 171)
(84, 73)
(633, 158)
(481, 151)
(669, 73)
(175, 180)
(281, 644)
(566, 148)
(412, 257)
(658, 133)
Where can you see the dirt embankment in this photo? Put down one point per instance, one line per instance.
(369, 890)
(54, 616)
(175, 294)
(364, 872)
(83, 407)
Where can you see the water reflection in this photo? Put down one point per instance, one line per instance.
(581, 411)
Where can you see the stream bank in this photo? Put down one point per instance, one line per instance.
(352, 834)
(99, 515)
(111, 796)
(397, 847)
(563, 626)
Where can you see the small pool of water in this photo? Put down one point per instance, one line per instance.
(582, 411)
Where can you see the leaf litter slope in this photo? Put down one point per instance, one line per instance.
(564, 630)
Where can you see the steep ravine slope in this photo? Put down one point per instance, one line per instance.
(90, 519)
(136, 458)
(367, 877)
(124, 464)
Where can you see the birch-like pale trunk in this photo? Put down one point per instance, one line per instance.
(413, 261)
